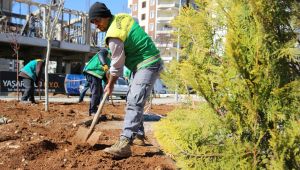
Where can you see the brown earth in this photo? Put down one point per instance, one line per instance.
(36, 139)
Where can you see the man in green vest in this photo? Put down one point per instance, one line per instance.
(132, 47)
(30, 74)
(95, 72)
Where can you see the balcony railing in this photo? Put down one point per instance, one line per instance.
(166, 44)
(164, 30)
(165, 18)
(164, 5)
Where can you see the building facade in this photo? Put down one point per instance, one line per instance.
(25, 24)
(155, 17)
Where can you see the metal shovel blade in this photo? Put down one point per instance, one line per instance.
(94, 138)
(87, 135)
(82, 137)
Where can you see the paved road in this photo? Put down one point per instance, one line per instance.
(162, 99)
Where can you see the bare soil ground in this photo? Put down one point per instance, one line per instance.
(36, 139)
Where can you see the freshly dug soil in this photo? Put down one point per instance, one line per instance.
(36, 139)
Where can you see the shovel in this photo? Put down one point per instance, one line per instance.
(85, 135)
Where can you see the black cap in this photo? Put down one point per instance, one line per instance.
(99, 9)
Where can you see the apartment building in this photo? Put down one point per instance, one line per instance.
(155, 18)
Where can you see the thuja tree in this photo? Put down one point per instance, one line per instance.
(241, 57)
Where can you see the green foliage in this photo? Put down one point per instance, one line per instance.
(241, 57)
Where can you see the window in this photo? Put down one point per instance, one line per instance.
(152, 14)
(143, 17)
(152, 2)
(144, 4)
(151, 27)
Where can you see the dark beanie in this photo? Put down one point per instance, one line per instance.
(99, 9)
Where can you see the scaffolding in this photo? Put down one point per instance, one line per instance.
(73, 26)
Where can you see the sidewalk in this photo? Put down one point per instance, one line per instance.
(160, 99)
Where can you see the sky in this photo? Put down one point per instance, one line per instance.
(115, 6)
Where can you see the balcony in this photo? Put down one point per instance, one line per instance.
(166, 5)
(166, 44)
(164, 30)
(165, 19)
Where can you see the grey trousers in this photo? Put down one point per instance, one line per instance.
(139, 90)
(29, 90)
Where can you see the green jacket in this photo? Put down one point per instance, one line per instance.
(95, 66)
(33, 69)
(140, 51)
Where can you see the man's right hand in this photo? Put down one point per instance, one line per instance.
(110, 85)
(109, 88)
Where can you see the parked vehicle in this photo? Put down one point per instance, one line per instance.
(121, 88)
(75, 82)
(159, 87)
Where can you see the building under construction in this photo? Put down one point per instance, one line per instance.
(23, 36)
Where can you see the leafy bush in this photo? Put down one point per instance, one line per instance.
(240, 56)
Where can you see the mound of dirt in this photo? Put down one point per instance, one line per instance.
(36, 139)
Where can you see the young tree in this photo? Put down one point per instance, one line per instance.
(241, 57)
(56, 8)
(16, 46)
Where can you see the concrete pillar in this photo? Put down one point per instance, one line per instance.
(85, 59)
(68, 68)
(59, 65)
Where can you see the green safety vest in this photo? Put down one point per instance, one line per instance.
(30, 69)
(94, 66)
(140, 51)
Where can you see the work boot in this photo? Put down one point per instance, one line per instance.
(139, 140)
(120, 149)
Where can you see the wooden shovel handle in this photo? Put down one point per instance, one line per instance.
(95, 119)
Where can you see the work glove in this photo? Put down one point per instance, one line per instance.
(105, 67)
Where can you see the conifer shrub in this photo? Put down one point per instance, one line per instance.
(240, 56)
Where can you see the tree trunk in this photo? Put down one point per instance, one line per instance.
(46, 75)
(18, 89)
(50, 32)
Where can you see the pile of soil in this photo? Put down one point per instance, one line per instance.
(36, 139)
